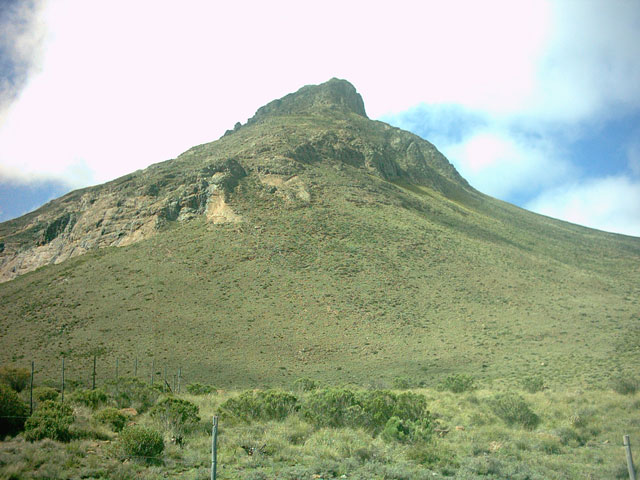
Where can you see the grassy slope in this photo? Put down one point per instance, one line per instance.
(370, 281)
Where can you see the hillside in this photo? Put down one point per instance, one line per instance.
(313, 241)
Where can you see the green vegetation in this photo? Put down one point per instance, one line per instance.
(175, 415)
(374, 434)
(458, 383)
(141, 443)
(514, 410)
(15, 377)
(200, 389)
(348, 254)
(13, 412)
(50, 420)
(89, 398)
(112, 417)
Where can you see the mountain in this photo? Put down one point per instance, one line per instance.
(313, 241)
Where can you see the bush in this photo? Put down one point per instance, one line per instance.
(15, 377)
(407, 431)
(13, 412)
(89, 398)
(140, 442)
(133, 393)
(513, 409)
(261, 405)
(458, 383)
(199, 389)
(305, 385)
(625, 385)
(401, 383)
(112, 417)
(50, 420)
(533, 384)
(175, 415)
(331, 407)
(42, 394)
(368, 409)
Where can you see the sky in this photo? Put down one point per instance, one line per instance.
(534, 102)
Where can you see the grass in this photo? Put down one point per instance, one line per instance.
(579, 436)
(346, 273)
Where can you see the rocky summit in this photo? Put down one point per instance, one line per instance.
(200, 180)
(315, 242)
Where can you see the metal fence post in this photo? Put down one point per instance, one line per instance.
(31, 391)
(627, 446)
(93, 375)
(214, 448)
(62, 380)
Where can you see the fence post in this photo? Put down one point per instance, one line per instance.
(93, 376)
(179, 378)
(214, 448)
(164, 379)
(153, 370)
(31, 391)
(135, 368)
(62, 380)
(117, 380)
(627, 446)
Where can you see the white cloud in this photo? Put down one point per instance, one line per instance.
(120, 85)
(504, 165)
(611, 204)
(633, 156)
(125, 84)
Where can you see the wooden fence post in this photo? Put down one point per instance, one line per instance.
(627, 446)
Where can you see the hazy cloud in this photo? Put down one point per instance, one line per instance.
(611, 204)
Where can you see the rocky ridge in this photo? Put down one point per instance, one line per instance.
(270, 147)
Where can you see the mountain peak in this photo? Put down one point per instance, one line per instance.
(335, 94)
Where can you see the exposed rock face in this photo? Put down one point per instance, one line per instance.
(114, 215)
(283, 139)
(335, 94)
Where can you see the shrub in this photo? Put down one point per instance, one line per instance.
(133, 393)
(331, 407)
(42, 394)
(199, 389)
(513, 409)
(261, 405)
(15, 377)
(368, 409)
(434, 455)
(112, 417)
(50, 420)
(175, 415)
(13, 412)
(305, 385)
(458, 383)
(407, 431)
(89, 398)
(401, 383)
(625, 385)
(140, 442)
(533, 384)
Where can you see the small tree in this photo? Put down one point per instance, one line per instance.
(13, 412)
(15, 377)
